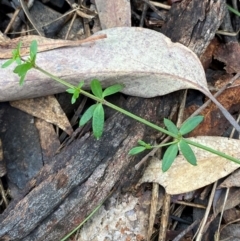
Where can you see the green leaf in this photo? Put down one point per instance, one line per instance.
(33, 51)
(33, 47)
(169, 156)
(71, 91)
(146, 145)
(98, 121)
(142, 143)
(18, 60)
(112, 90)
(187, 152)
(16, 53)
(87, 115)
(96, 88)
(22, 68)
(171, 126)
(80, 85)
(22, 78)
(76, 94)
(136, 150)
(190, 124)
(7, 63)
(73, 100)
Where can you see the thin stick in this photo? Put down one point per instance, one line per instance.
(31, 20)
(184, 232)
(203, 222)
(164, 218)
(154, 9)
(153, 209)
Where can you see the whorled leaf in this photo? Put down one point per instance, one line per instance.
(190, 124)
(98, 121)
(112, 90)
(88, 114)
(136, 150)
(169, 157)
(96, 88)
(171, 126)
(187, 152)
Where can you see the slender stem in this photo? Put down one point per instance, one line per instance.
(166, 144)
(148, 123)
(55, 77)
(209, 149)
(137, 118)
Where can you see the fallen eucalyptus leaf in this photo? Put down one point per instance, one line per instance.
(44, 44)
(47, 109)
(145, 61)
(115, 13)
(182, 177)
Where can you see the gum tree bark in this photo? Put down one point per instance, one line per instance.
(83, 175)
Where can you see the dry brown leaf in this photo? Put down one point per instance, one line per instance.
(48, 139)
(213, 123)
(183, 177)
(115, 13)
(229, 54)
(44, 44)
(232, 200)
(145, 61)
(232, 181)
(230, 232)
(46, 108)
(207, 57)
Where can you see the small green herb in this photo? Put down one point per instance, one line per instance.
(96, 112)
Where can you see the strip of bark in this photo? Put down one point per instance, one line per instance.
(82, 175)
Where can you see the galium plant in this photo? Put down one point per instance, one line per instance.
(96, 113)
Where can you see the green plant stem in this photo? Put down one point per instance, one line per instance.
(148, 123)
(209, 149)
(141, 120)
(84, 221)
(55, 77)
(165, 144)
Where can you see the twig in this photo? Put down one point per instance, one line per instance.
(144, 13)
(164, 218)
(217, 234)
(161, 5)
(184, 232)
(31, 20)
(203, 222)
(154, 9)
(153, 210)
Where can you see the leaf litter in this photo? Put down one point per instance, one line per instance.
(147, 69)
(183, 177)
